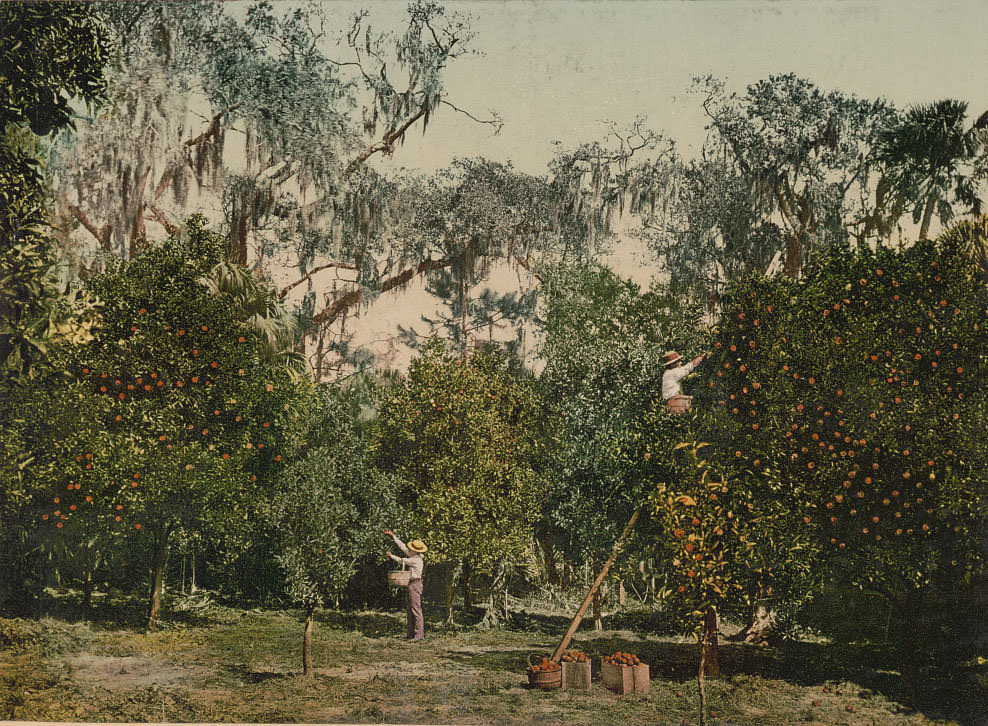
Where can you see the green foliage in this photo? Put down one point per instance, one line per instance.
(49, 53)
(927, 155)
(804, 154)
(718, 537)
(330, 509)
(857, 393)
(603, 345)
(459, 435)
(169, 417)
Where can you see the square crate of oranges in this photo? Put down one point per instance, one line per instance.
(624, 673)
(576, 669)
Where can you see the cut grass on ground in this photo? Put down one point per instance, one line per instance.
(243, 666)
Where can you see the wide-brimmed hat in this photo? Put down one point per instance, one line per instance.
(671, 357)
(417, 545)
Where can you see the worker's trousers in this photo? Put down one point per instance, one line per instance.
(416, 622)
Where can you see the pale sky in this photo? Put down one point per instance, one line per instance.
(555, 69)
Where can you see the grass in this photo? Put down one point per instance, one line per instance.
(221, 664)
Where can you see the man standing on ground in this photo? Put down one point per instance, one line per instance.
(672, 390)
(414, 562)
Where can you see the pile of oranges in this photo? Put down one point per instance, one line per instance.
(622, 659)
(545, 666)
(575, 656)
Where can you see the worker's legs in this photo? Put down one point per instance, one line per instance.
(416, 622)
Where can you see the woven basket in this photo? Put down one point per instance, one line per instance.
(399, 578)
(680, 403)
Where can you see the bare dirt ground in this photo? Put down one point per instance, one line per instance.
(243, 666)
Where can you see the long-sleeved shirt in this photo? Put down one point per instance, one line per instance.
(412, 560)
(672, 380)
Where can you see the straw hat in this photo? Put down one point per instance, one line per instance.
(671, 357)
(417, 545)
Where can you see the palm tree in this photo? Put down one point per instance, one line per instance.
(256, 303)
(926, 155)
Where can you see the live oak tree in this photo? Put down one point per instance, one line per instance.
(807, 155)
(309, 115)
(172, 416)
(457, 433)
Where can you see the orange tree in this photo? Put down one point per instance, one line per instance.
(457, 433)
(897, 356)
(746, 404)
(712, 533)
(172, 416)
(869, 408)
(328, 513)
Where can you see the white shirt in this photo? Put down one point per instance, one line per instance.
(413, 561)
(672, 380)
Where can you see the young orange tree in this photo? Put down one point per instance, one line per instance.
(328, 513)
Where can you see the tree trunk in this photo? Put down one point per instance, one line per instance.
(157, 577)
(909, 669)
(761, 625)
(238, 236)
(552, 572)
(450, 595)
(701, 683)
(794, 256)
(87, 590)
(465, 577)
(182, 589)
(709, 648)
(622, 594)
(924, 228)
(463, 307)
(307, 643)
(598, 623)
(192, 578)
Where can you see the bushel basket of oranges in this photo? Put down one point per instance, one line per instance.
(545, 674)
(624, 673)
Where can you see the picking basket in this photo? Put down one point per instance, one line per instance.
(399, 578)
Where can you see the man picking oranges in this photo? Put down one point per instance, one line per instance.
(413, 561)
(672, 389)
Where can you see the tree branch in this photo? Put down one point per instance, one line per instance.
(345, 302)
(160, 217)
(495, 121)
(386, 144)
(214, 125)
(102, 234)
(288, 288)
